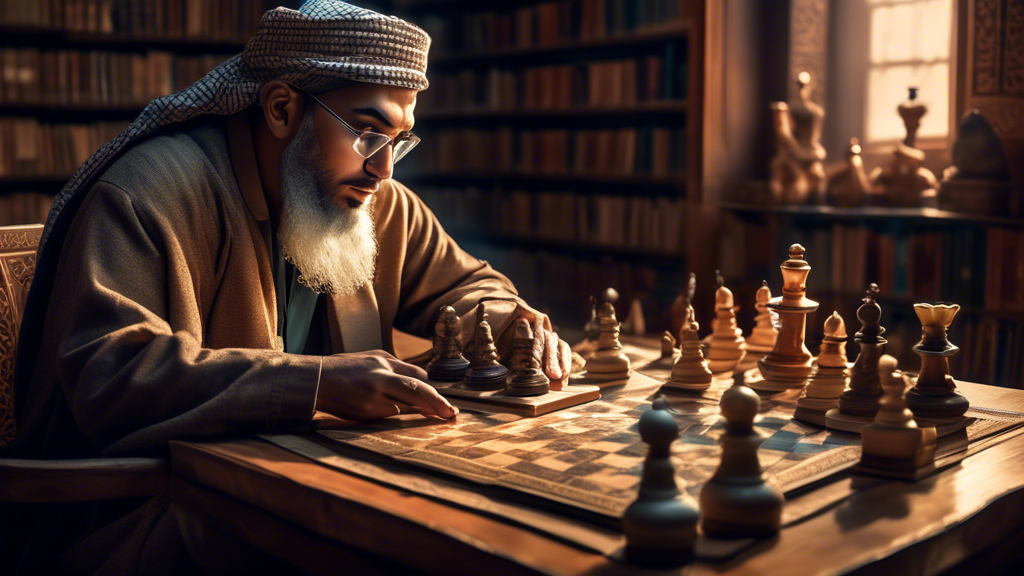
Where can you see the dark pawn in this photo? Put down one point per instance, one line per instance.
(865, 392)
(485, 373)
(737, 502)
(526, 377)
(448, 364)
(660, 527)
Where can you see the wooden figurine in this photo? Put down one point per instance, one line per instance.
(677, 313)
(934, 397)
(485, 372)
(737, 502)
(979, 180)
(726, 345)
(668, 345)
(829, 378)
(788, 365)
(448, 364)
(690, 371)
(850, 185)
(608, 364)
(660, 525)
(904, 181)
(894, 445)
(634, 323)
(859, 404)
(762, 338)
(525, 377)
(592, 329)
(797, 172)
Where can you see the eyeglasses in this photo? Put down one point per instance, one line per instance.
(369, 143)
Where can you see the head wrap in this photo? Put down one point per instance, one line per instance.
(323, 45)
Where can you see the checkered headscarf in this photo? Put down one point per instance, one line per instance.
(321, 46)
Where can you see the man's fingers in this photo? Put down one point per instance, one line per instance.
(551, 360)
(420, 394)
(565, 357)
(406, 369)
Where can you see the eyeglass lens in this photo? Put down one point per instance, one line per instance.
(369, 143)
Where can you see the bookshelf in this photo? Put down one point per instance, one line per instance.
(565, 144)
(74, 73)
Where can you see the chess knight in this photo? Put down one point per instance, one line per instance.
(797, 171)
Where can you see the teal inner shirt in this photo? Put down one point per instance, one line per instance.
(301, 312)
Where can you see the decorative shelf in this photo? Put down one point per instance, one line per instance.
(648, 35)
(466, 234)
(676, 182)
(652, 108)
(874, 213)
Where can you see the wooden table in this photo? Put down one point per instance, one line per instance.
(320, 519)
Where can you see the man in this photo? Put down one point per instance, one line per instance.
(238, 258)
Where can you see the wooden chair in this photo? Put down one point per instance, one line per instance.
(52, 480)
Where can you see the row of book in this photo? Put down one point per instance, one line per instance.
(551, 23)
(216, 19)
(647, 224)
(595, 84)
(972, 266)
(32, 76)
(645, 149)
(31, 148)
(24, 208)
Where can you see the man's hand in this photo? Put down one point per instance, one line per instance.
(557, 358)
(375, 384)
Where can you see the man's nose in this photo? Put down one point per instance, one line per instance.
(380, 164)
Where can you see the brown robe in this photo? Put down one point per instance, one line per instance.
(162, 320)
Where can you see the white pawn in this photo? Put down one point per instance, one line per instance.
(830, 376)
(737, 502)
(660, 526)
(690, 371)
(727, 347)
(608, 366)
(762, 339)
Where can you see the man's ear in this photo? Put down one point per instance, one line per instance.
(283, 107)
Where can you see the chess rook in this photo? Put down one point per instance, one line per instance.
(737, 502)
(690, 371)
(727, 346)
(448, 364)
(829, 378)
(608, 363)
(525, 377)
(788, 365)
(934, 395)
(894, 445)
(485, 372)
(660, 526)
(859, 404)
(762, 338)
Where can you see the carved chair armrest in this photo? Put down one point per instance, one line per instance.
(81, 480)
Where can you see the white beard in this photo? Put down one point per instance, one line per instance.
(334, 249)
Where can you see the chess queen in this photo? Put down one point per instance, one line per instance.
(788, 365)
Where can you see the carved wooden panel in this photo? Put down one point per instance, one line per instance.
(17, 266)
(986, 46)
(808, 25)
(1013, 48)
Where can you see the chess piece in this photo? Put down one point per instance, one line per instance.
(525, 377)
(660, 526)
(668, 345)
(634, 323)
(894, 445)
(829, 378)
(859, 404)
(677, 313)
(448, 364)
(934, 397)
(797, 171)
(737, 502)
(979, 179)
(762, 338)
(727, 346)
(849, 186)
(904, 181)
(788, 365)
(608, 365)
(592, 329)
(690, 371)
(485, 372)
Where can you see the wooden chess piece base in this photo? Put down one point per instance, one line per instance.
(780, 377)
(740, 511)
(950, 404)
(447, 369)
(531, 387)
(944, 426)
(724, 359)
(486, 378)
(606, 368)
(907, 453)
(822, 395)
(836, 420)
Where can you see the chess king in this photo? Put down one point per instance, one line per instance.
(236, 259)
(788, 365)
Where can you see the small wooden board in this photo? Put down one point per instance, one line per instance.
(582, 379)
(497, 401)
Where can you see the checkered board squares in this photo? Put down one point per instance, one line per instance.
(589, 456)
